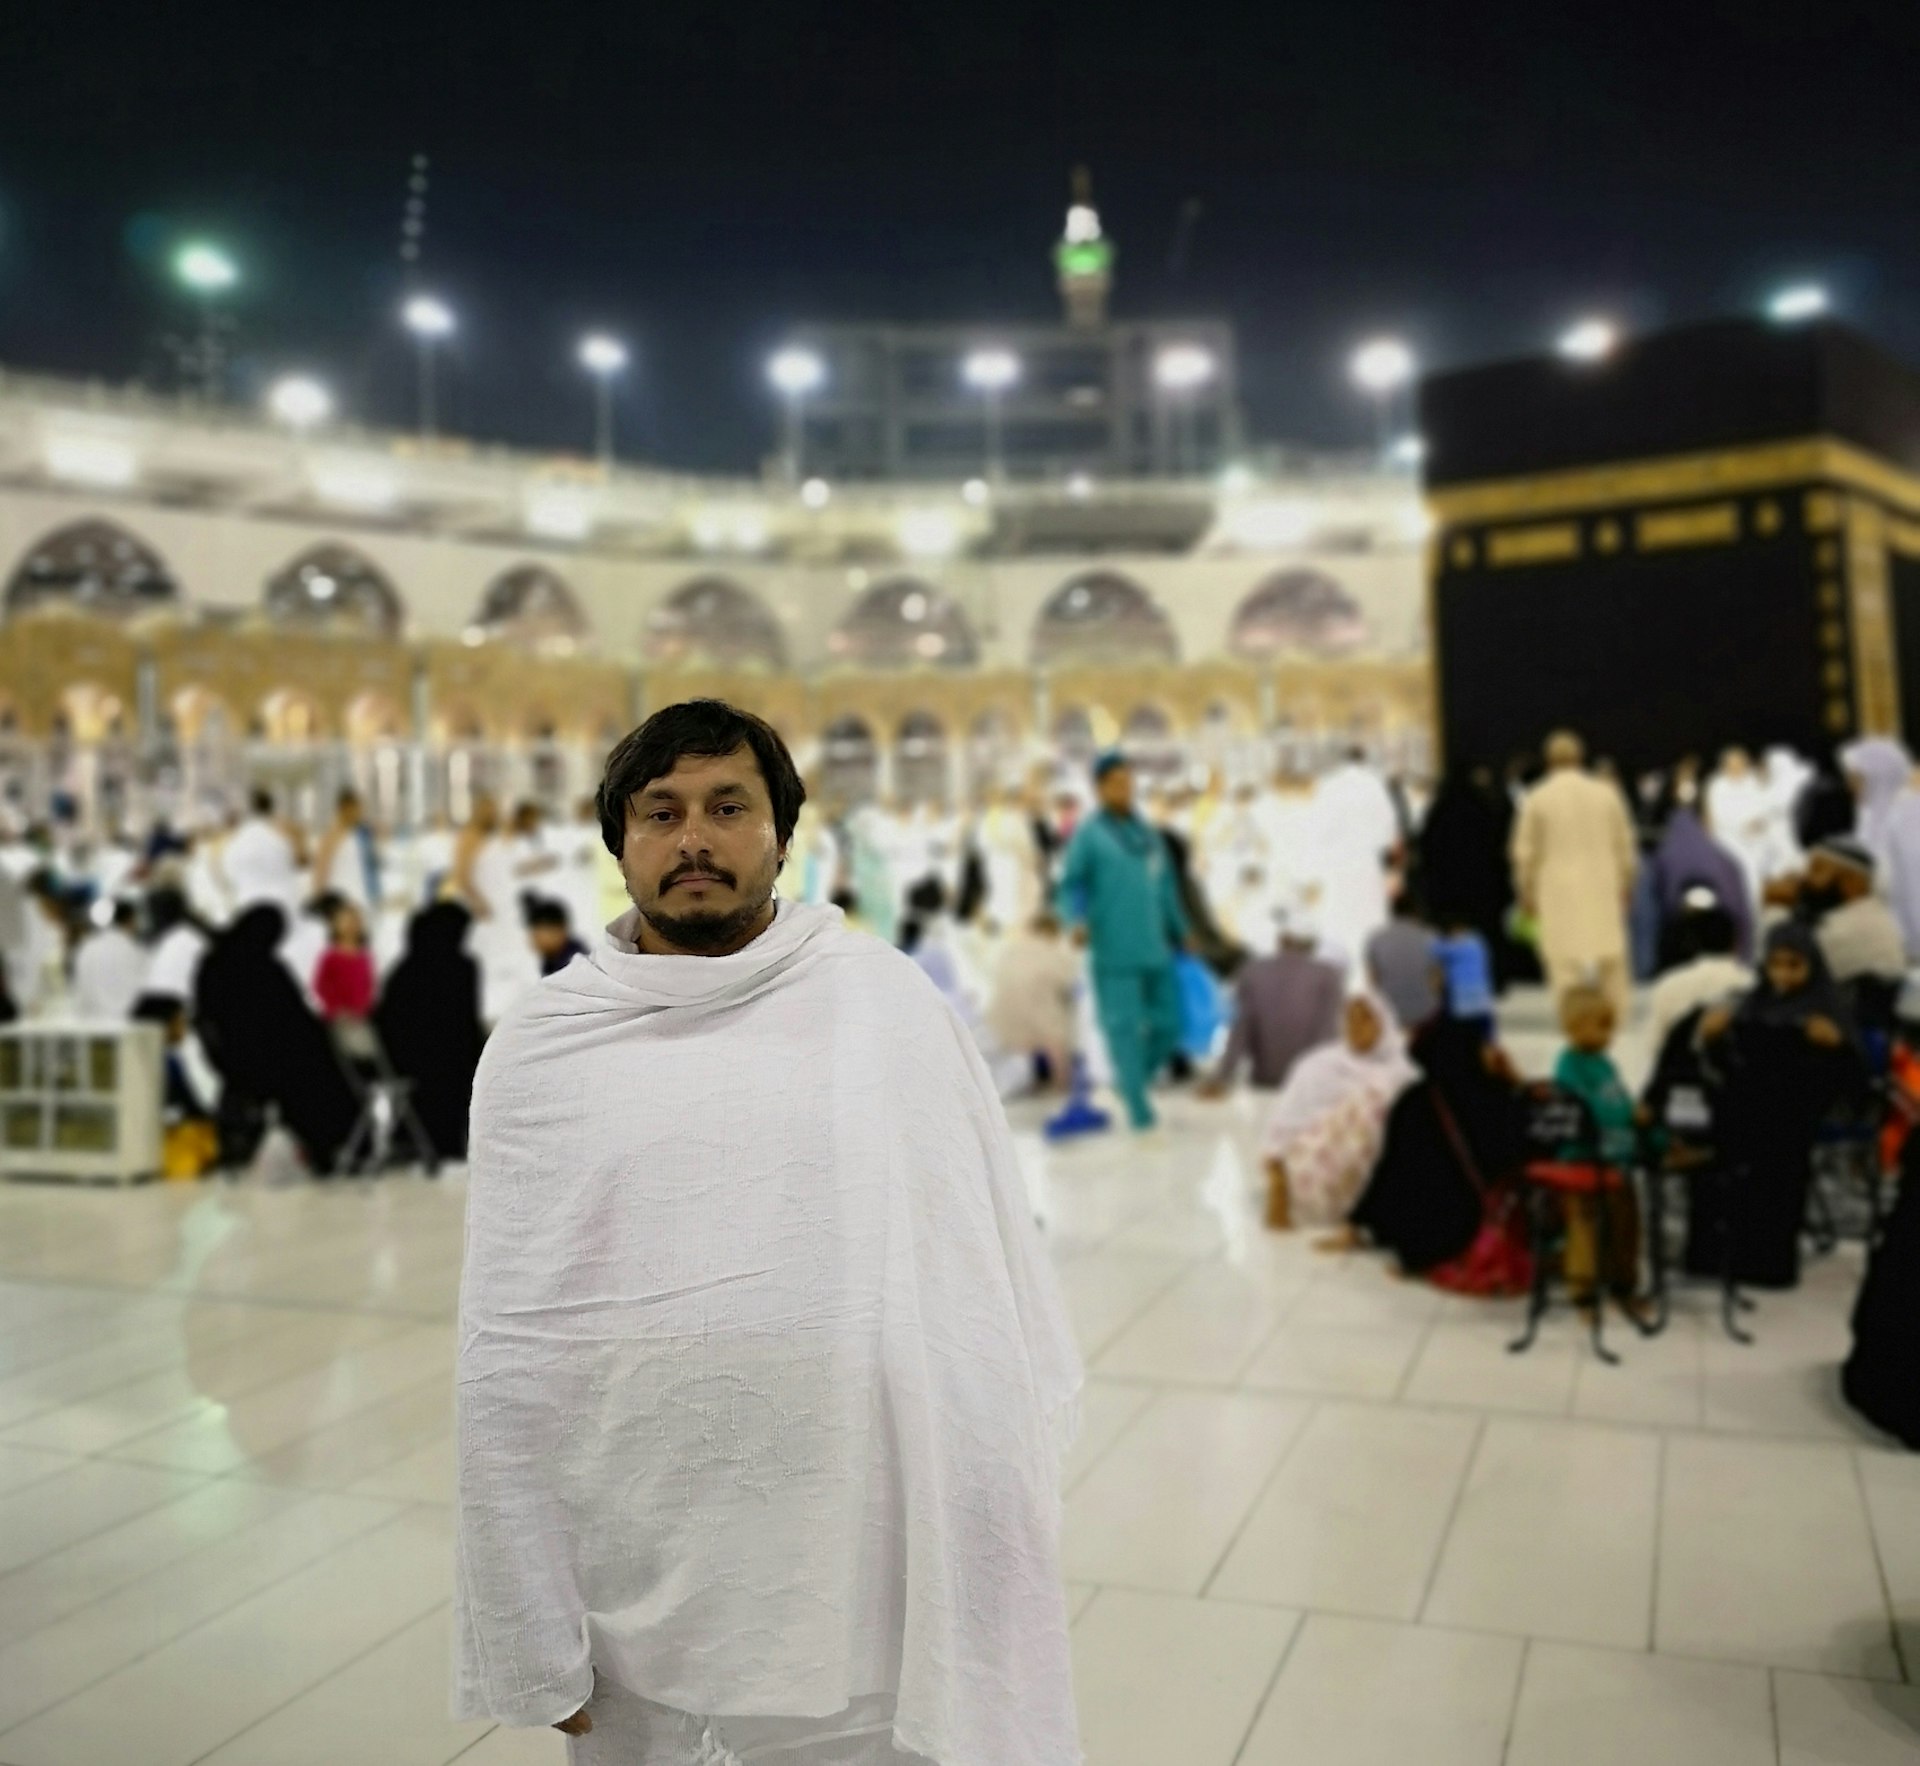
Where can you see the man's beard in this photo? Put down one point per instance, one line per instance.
(705, 930)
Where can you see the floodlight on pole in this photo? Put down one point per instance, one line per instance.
(990, 372)
(1806, 300)
(204, 268)
(429, 320)
(1589, 340)
(795, 373)
(1179, 371)
(206, 272)
(1380, 368)
(603, 357)
(299, 401)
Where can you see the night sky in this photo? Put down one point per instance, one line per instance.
(695, 178)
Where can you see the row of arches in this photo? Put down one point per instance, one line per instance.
(1097, 617)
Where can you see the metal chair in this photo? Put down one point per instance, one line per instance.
(386, 1113)
(1565, 1164)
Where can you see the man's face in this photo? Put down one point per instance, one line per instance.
(1116, 790)
(700, 854)
(548, 940)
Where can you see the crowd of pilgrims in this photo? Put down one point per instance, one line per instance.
(1338, 942)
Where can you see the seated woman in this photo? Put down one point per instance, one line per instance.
(1451, 1139)
(268, 1046)
(1786, 1052)
(1879, 1377)
(1323, 1133)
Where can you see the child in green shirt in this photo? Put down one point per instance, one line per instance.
(1587, 1071)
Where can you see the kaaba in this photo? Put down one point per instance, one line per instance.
(1711, 536)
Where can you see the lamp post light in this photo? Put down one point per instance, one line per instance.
(1805, 300)
(1590, 340)
(300, 402)
(1381, 368)
(795, 373)
(990, 372)
(429, 320)
(603, 357)
(207, 272)
(1179, 371)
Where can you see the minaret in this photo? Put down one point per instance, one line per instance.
(1083, 259)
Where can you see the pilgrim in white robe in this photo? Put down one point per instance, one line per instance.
(109, 974)
(1355, 826)
(763, 1374)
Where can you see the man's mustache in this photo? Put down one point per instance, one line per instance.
(719, 876)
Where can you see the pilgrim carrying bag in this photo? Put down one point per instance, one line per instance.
(1499, 1263)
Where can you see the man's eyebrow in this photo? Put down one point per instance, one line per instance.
(667, 794)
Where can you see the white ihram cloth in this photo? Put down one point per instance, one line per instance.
(763, 1375)
(1354, 828)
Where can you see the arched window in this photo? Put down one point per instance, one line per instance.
(849, 762)
(715, 623)
(1297, 610)
(95, 567)
(1102, 617)
(533, 606)
(920, 760)
(903, 623)
(334, 585)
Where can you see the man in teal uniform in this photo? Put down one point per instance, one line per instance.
(1117, 889)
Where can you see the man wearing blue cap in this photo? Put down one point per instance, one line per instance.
(1117, 890)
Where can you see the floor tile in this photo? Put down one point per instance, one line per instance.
(1590, 1707)
(517, 1747)
(1203, 1329)
(425, 1475)
(92, 1496)
(1554, 1536)
(1363, 1692)
(63, 1658)
(1660, 1382)
(176, 1705)
(1354, 1519)
(1107, 1409)
(1161, 1507)
(1891, 1483)
(1161, 1678)
(1825, 1722)
(1766, 1556)
(1106, 1290)
(21, 1466)
(372, 1713)
(1468, 1363)
(75, 1576)
(1336, 1361)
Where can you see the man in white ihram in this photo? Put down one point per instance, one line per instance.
(763, 1376)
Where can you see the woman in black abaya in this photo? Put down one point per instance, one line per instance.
(268, 1046)
(1881, 1377)
(1464, 869)
(429, 1022)
(1449, 1140)
(1787, 1051)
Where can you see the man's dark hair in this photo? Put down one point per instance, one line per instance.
(348, 798)
(928, 896)
(543, 910)
(702, 727)
(126, 915)
(260, 801)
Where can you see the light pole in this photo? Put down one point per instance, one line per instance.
(429, 320)
(1381, 368)
(299, 402)
(795, 373)
(1179, 371)
(207, 272)
(990, 372)
(603, 357)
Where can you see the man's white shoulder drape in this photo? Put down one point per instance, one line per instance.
(763, 1374)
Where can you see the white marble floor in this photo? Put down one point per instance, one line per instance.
(1315, 1515)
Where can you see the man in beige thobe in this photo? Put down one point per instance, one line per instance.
(1573, 865)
